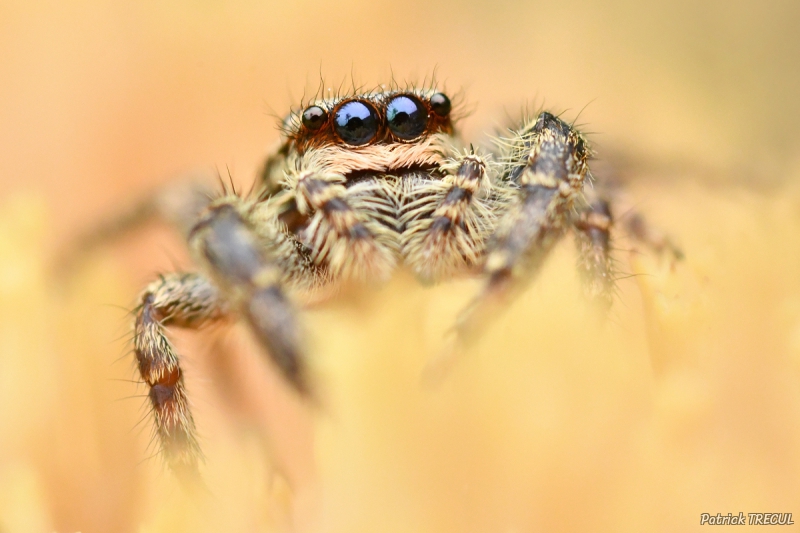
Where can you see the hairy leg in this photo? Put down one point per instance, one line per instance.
(611, 186)
(638, 229)
(178, 203)
(240, 264)
(548, 164)
(182, 300)
(593, 239)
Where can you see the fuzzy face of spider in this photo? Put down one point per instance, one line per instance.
(370, 181)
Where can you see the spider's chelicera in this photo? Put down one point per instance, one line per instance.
(358, 187)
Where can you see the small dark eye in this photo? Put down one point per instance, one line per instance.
(406, 116)
(356, 122)
(314, 117)
(440, 104)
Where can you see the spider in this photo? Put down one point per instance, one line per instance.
(360, 185)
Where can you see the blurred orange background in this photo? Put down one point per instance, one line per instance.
(686, 400)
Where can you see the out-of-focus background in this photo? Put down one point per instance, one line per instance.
(686, 400)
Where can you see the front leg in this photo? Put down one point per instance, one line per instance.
(548, 165)
(182, 300)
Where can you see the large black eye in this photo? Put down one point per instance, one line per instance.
(440, 104)
(356, 122)
(406, 116)
(314, 117)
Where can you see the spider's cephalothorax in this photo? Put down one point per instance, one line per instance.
(363, 183)
(358, 186)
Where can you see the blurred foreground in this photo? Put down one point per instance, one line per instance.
(686, 400)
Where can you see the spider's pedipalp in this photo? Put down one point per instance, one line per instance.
(183, 300)
(350, 243)
(448, 221)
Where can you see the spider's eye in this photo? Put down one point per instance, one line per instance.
(440, 104)
(356, 122)
(314, 117)
(406, 116)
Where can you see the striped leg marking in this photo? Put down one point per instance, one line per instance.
(593, 239)
(341, 238)
(183, 300)
(447, 226)
(551, 181)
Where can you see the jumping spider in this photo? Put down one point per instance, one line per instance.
(358, 186)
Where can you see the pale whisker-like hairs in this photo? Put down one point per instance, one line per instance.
(449, 220)
(346, 240)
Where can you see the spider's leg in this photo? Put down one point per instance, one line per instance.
(179, 204)
(182, 300)
(638, 229)
(447, 221)
(342, 233)
(240, 263)
(550, 171)
(592, 236)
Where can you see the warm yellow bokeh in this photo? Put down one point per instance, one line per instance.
(685, 400)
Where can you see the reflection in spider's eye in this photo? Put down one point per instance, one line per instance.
(356, 122)
(440, 104)
(406, 116)
(314, 117)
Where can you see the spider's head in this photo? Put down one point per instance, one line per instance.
(373, 132)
